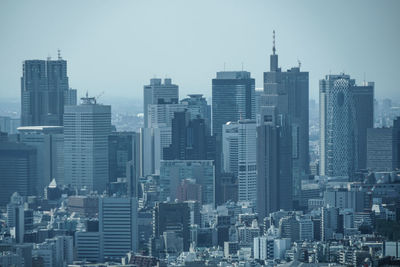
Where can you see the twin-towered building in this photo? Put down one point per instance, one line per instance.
(44, 92)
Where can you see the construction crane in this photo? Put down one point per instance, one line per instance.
(99, 95)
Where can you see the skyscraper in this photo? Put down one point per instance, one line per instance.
(86, 130)
(17, 170)
(173, 172)
(383, 148)
(233, 98)
(70, 97)
(44, 85)
(122, 148)
(198, 107)
(118, 226)
(274, 165)
(160, 118)
(288, 92)
(364, 109)
(158, 93)
(173, 217)
(247, 170)
(230, 136)
(15, 216)
(346, 112)
(49, 144)
(338, 140)
(189, 139)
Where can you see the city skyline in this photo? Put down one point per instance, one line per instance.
(290, 159)
(118, 49)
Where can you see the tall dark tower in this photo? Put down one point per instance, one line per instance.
(43, 85)
(274, 164)
(288, 92)
(233, 97)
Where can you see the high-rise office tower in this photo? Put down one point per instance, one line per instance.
(383, 148)
(49, 144)
(330, 222)
(122, 148)
(172, 217)
(288, 92)
(158, 93)
(230, 146)
(364, 108)
(44, 85)
(70, 97)
(198, 108)
(15, 216)
(160, 118)
(9, 125)
(247, 170)
(17, 170)
(346, 112)
(173, 172)
(118, 226)
(338, 142)
(160, 104)
(190, 139)
(147, 166)
(233, 98)
(274, 165)
(86, 130)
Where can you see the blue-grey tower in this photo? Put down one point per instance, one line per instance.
(288, 92)
(44, 86)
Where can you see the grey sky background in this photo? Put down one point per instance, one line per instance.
(117, 46)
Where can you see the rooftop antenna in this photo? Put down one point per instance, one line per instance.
(365, 82)
(59, 54)
(299, 62)
(273, 42)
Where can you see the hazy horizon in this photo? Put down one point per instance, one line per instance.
(116, 47)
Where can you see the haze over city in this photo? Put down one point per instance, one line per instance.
(117, 46)
(199, 133)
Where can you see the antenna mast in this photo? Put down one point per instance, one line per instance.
(273, 42)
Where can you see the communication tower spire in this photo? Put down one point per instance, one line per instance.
(273, 42)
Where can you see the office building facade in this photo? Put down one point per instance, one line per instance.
(346, 112)
(44, 85)
(49, 144)
(274, 169)
(118, 226)
(230, 147)
(233, 98)
(247, 169)
(383, 148)
(17, 170)
(86, 130)
(289, 93)
(159, 93)
(173, 172)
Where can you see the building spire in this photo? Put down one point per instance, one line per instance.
(273, 42)
(274, 57)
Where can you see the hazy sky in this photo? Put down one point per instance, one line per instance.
(117, 46)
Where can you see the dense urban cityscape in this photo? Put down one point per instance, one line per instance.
(248, 177)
